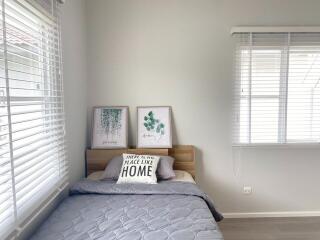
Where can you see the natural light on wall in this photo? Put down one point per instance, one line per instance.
(32, 156)
(277, 88)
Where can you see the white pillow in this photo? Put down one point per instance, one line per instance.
(138, 169)
(182, 176)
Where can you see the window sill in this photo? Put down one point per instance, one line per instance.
(19, 230)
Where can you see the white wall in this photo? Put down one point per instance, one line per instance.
(73, 18)
(179, 53)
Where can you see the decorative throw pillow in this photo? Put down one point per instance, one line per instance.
(138, 169)
(112, 170)
(165, 168)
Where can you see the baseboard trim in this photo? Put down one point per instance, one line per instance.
(272, 214)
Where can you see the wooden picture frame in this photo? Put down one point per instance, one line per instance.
(109, 127)
(154, 127)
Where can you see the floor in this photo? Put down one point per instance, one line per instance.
(271, 228)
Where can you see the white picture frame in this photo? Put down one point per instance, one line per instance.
(154, 127)
(110, 127)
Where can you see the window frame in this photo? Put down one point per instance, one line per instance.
(282, 138)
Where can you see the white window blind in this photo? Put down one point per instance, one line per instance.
(32, 145)
(277, 88)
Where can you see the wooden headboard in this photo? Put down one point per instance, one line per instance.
(97, 159)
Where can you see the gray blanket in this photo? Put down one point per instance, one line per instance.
(104, 210)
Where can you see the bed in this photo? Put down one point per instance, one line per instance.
(176, 210)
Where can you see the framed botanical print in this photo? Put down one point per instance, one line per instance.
(154, 127)
(110, 127)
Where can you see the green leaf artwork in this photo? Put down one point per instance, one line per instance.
(153, 124)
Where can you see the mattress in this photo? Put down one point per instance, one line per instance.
(105, 210)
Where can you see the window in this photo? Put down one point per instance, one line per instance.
(32, 148)
(277, 89)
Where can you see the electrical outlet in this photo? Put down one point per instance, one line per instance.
(247, 190)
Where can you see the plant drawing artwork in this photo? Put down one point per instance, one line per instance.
(154, 127)
(111, 121)
(110, 127)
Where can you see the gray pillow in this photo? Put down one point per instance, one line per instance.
(112, 170)
(164, 169)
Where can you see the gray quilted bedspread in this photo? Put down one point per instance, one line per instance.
(103, 210)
